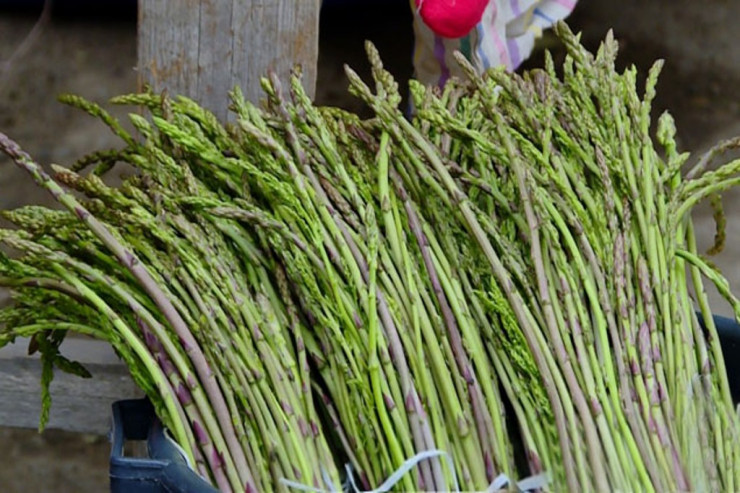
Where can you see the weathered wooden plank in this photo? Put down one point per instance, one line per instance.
(203, 48)
(79, 405)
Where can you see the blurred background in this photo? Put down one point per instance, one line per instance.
(89, 48)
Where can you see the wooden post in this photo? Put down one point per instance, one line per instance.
(203, 48)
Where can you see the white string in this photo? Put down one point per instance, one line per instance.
(527, 484)
(404, 469)
(531, 483)
(537, 482)
(303, 487)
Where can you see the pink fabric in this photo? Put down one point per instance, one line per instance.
(505, 35)
(451, 19)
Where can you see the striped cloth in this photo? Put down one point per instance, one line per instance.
(505, 36)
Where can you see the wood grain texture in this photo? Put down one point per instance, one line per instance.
(79, 405)
(203, 48)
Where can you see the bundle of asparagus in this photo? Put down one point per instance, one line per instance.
(185, 301)
(503, 279)
(586, 229)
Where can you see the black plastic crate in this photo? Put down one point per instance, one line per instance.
(164, 471)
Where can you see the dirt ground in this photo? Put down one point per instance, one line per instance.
(95, 56)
